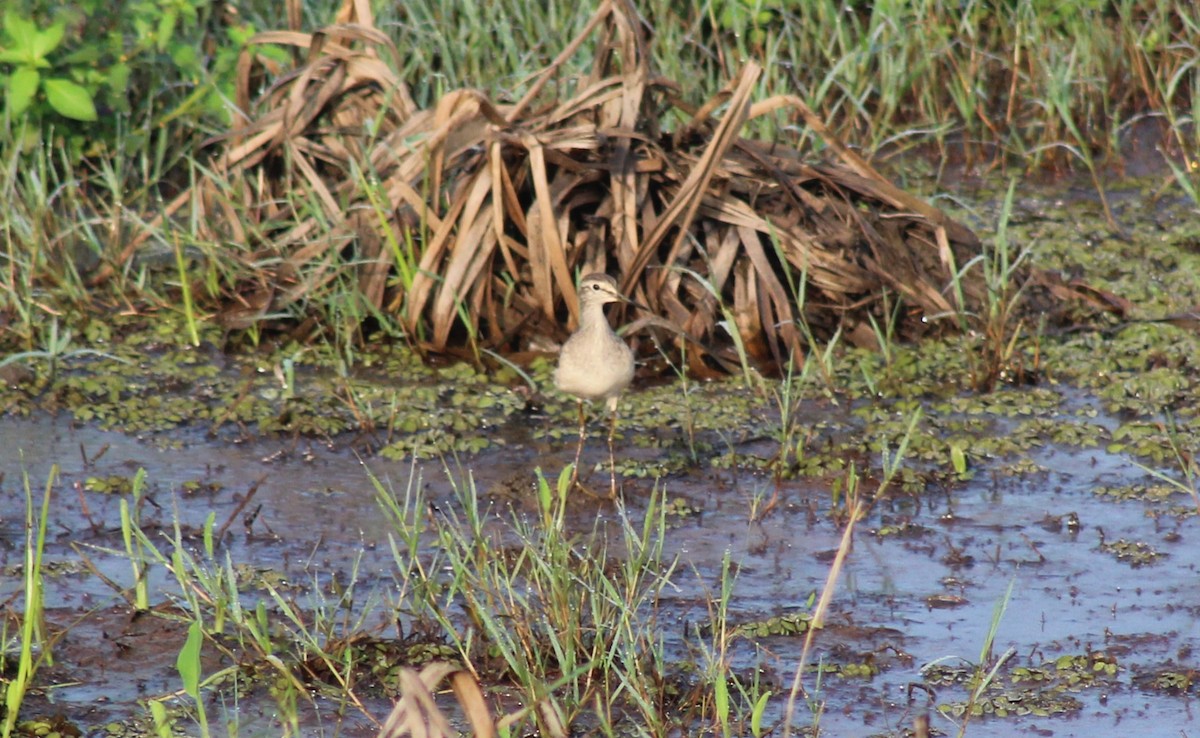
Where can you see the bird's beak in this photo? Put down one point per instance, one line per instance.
(637, 305)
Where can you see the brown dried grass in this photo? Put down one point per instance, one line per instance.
(507, 203)
(417, 714)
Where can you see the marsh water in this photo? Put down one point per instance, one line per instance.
(1070, 541)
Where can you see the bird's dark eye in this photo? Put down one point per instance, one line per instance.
(596, 287)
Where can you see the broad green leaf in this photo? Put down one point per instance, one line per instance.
(958, 457)
(118, 78)
(69, 99)
(186, 58)
(239, 35)
(188, 661)
(166, 29)
(48, 40)
(162, 725)
(83, 55)
(21, 32)
(756, 715)
(22, 86)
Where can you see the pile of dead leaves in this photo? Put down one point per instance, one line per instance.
(470, 222)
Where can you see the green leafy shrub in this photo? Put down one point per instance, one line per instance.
(79, 67)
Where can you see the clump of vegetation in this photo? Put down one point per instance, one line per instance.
(83, 74)
(468, 221)
(328, 224)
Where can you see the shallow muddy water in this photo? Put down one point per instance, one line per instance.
(920, 585)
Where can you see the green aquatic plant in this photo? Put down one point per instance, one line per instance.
(1154, 440)
(589, 638)
(1185, 460)
(33, 635)
(791, 435)
(55, 350)
(1169, 681)
(989, 664)
(137, 547)
(1134, 553)
(188, 666)
(1000, 321)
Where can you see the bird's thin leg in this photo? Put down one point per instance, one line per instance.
(612, 458)
(578, 448)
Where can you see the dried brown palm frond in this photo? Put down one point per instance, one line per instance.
(503, 205)
(417, 714)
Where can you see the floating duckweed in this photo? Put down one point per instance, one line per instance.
(1134, 553)
(912, 482)
(666, 437)
(946, 674)
(1058, 431)
(940, 368)
(1009, 402)
(723, 407)
(1181, 511)
(423, 653)
(163, 386)
(261, 578)
(906, 530)
(678, 507)
(653, 468)
(114, 484)
(460, 374)
(780, 625)
(1145, 392)
(434, 443)
(873, 412)
(1030, 674)
(154, 413)
(97, 332)
(1170, 681)
(820, 465)
(1152, 440)
(1015, 704)
(195, 486)
(1022, 467)
(34, 727)
(734, 460)
(383, 659)
(1046, 686)
(1143, 492)
(859, 671)
(995, 446)
(54, 727)
(1080, 670)
(298, 415)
